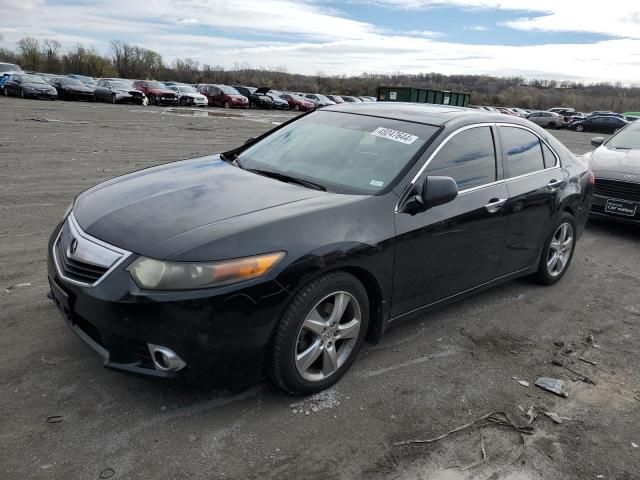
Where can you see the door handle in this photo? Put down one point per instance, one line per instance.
(553, 184)
(495, 204)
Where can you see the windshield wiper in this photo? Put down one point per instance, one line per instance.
(234, 160)
(288, 178)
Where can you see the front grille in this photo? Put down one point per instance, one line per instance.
(80, 271)
(82, 259)
(617, 189)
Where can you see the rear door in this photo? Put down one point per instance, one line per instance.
(453, 247)
(533, 178)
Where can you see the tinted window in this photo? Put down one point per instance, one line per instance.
(524, 154)
(549, 158)
(469, 158)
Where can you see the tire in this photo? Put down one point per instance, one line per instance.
(330, 355)
(152, 99)
(227, 105)
(297, 108)
(22, 93)
(557, 243)
(113, 99)
(5, 92)
(579, 128)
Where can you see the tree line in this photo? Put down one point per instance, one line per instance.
(134, 62)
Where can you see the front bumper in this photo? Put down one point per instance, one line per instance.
(222, 334)
(43, 95)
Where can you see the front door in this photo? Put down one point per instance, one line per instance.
(456, 246)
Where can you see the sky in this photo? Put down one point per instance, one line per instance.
(580, 40)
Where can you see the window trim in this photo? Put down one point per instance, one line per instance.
(500, 157)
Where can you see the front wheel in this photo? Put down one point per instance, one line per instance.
(320, 334)
(297, 108)
(580, 128)
(557, 251)
(21, 93)
(113, 99)
(227, 105)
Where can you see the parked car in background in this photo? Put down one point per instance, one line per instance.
(258, 97)
(350, 99)
(10, 68)
(319, 99)
(335, 98)
(631, 118)
(561, 110)
(546, 119)
(278, 102)
(598, 123)
(616, 166)
(73, 89)
(367, 99)
(519, 112)
(282, 255)
(223, 96)
(118, 91)
(28, 86)
(188, 96)
(156, 92)
(297, 103)
(84, 79)
(3, 78)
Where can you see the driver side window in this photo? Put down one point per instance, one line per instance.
(469, 158)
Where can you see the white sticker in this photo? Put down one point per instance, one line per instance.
(393, 95)
(376, 183)
(394, 135)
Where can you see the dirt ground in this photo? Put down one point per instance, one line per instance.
(63, 416)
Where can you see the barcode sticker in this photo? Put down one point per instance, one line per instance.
(394, 135)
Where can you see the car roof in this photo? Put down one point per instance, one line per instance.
(430, 114)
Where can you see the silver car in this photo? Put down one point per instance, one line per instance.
(546, 119)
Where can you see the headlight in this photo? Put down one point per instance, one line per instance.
(159, 275)
(68, 211)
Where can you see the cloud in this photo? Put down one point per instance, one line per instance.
(305, 36)
(477, 28)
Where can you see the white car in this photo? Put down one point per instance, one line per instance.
(188, 96)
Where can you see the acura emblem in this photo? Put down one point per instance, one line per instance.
(73, 246)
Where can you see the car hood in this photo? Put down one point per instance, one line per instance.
(40, 86)
(162, 91)
(605, 159)
(79, 88)
(153, 211)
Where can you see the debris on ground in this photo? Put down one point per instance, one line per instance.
(107, 473)
(581, 376)
(559, 343)
(500, 419)
(555, 417)
(524, 383)
(53, 120)
(17, 285)
(320, 401)
(532, 415)
(552, 385)
(586, 360)
(54, 419)
(635, 445)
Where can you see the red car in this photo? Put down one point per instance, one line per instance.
(156, 92)
(297, 103)
(223, 96)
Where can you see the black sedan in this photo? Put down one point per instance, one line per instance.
(616, 166)
(286, 253)
(258, 97)
(598, 123)
(73, 89)
(28, 86)
(118, 91)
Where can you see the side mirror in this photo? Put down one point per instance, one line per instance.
(434, 191)
(597, 141)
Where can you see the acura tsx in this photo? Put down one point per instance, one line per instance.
(281, 256)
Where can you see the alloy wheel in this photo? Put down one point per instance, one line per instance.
(327, 336)
(579, 128)
(560, 249)
(226, 105)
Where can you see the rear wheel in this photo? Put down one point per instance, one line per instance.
(297, 108)
(579, 128)
(227, 105)
(113, 98)
(5, 92)
(557, 251)
(320, 334)
(22, 93)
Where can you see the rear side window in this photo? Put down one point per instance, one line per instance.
(469, 158)
(549, 158)
(523, 149)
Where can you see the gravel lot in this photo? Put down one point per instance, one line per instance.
(427, 377)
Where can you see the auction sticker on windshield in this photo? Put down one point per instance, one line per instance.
(394, 135)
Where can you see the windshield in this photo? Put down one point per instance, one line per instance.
(9, 67)
(122, 85)
(31, 79)
(342, 152)
(70, 81)
(156, 84)
(187, 89)
(229, 90)
(626, 139)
